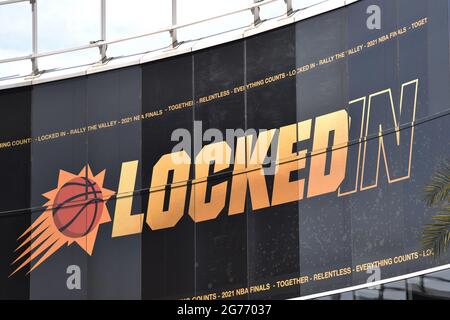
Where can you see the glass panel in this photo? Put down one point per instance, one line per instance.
(430, 286)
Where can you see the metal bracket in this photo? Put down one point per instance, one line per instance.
(255, 12)
(102, 49)
(289, 9)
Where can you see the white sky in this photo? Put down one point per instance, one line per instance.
(68, 23)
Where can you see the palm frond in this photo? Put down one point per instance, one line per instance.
(437, 234)
(438, 188)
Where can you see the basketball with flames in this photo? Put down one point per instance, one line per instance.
(73, 213)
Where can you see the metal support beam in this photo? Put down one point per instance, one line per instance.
(103, 47)
(255, 12)
(288, 6)
(34, 35)
(173, 32)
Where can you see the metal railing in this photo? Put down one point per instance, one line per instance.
(102, 43)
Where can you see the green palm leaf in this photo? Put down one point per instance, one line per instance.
(438, 188)
(436, 194)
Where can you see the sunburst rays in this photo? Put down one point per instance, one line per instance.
(42, 238)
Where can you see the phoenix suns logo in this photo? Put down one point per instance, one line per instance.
(74, 211)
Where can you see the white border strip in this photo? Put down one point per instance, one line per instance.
(373, 284)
